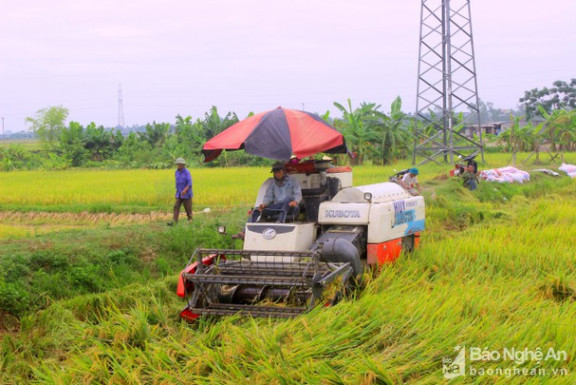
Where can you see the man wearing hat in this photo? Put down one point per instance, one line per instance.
(410, 179)
(284, 193)
(183, 190)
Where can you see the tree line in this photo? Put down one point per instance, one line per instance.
(372, 134)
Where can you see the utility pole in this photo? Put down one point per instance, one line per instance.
(3, 135)
(120, 108)
(447, 91)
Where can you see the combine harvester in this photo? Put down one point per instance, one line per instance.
(320, 252)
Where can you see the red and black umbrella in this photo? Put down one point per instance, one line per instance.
(278, 134)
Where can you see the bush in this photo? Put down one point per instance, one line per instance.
(14, 298)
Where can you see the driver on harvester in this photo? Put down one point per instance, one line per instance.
(282, 196)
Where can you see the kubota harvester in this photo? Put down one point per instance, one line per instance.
(317, 254)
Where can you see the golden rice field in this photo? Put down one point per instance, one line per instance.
(87, 198)
(495, 270)
(491, 274)
(148, 188)
(119, 190)
(37, 202)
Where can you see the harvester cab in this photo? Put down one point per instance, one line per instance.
(313, 258)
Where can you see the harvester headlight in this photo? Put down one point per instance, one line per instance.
(368, 196)
(269, 234)
(221, 230)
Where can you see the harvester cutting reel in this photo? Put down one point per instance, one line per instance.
(260, 283)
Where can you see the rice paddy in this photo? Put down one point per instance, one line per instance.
(495, 270)
(142, 191)
(123, 190)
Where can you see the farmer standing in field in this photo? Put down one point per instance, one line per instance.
(183, 190)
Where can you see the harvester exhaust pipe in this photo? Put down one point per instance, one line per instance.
(336, 249)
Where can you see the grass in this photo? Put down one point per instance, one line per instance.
(462, 287)
(37, 271)
(495, 270)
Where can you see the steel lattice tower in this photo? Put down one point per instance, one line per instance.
(447, 99)
(120, 107)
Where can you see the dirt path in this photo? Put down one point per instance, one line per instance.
(14, 217)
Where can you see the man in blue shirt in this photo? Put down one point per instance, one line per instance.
(284, 193)
(183, 190)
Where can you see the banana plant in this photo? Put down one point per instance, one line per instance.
(360, 136)
(510, 138)
(522, 138)
(393, 135)
(561, 129)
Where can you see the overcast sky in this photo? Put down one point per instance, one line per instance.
(183, 56)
